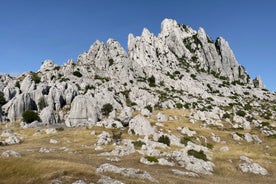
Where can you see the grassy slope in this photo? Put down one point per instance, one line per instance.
(81, 161)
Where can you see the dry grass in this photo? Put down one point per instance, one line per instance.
(81, 161)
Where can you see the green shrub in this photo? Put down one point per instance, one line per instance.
(57, 68)
(200, 155)
(77, 73)
(209, 145)
(106, 109)
(267, 115)
(149, 107)
(2, 99)
(179, 105)
(226, 115)
(151, 81)
(17, 84)
(41, 103)
(187, 106)
(165, 140)
(30, 116)
(265, 124)
(184, 140)
(193, 76)
(247, 107)
(35, 78)
(151, 159)
(241, 113)
(59, 129)
(138, 144)
(111, 62)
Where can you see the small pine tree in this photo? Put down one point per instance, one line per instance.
(106, 109)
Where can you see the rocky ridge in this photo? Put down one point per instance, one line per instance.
(180, 68)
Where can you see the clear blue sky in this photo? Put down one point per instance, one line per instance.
(34, 30)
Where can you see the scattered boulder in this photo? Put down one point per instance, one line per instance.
(236, 137)
(162, 117)
(145, 112)
(79, 182)
(163, 161)
(215, 138)
(248, 166)
(182, 173)
(127, 172)
(109, 123)
(224, 149)
(104, 138)
(45, 150)
(188, 132)
(139, 125)
(108, 180)
(12, 140)
(51, 130)
(126, 115)
(124, 149)
(10, 153)
(53, 141)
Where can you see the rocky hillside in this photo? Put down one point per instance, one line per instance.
(180, 68)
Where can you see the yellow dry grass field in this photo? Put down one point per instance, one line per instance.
(74, 156)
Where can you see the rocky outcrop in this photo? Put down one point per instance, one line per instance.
(258, 83)
(48, 116)
(10, 153)
(248, 166)
(180, 67)
(47, 65)
(139, 125)
(83, 111)
(18, 105)
(127, 172)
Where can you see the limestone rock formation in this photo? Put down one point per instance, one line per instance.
(140, 126)
(83, 111)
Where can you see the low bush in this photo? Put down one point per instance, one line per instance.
(149, 107)
(30, 116)
(35, 77)
(184, 140)
(138, 144)
(77, 74)
(241, 113)
(179, 105)
(151, 81)
(165, 140)
(106, 109)
(151, 159)
(199, 155)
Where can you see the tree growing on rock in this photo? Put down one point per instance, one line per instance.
(30, 116)
(106, 109)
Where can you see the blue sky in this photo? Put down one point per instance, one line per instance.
(34, 30)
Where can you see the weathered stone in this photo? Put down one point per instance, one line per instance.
(108, 180)
(104, 138)
(139, 125)
(182, 173)
(127, 172)
(10, 153)
(82, 112)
